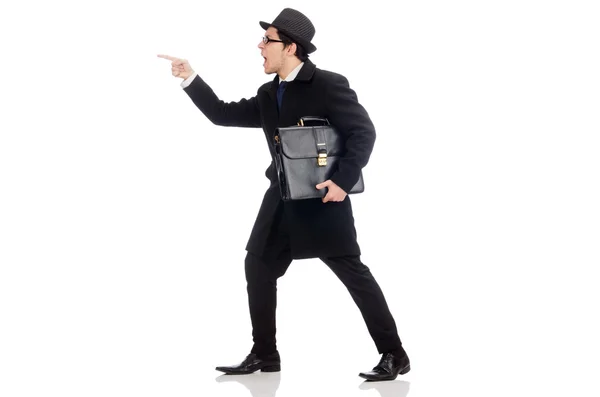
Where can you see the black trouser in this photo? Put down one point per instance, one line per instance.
(262, 275)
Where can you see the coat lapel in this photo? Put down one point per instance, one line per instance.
(269, 110)
(272, 115)
(273, 90)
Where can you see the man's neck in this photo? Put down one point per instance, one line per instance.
(287, 69)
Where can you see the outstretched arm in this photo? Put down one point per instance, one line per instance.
(244, 113)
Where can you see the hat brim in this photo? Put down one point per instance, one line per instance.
(308, 46)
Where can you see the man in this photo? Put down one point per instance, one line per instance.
(313, 228)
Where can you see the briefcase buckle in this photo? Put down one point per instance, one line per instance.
(322, 159)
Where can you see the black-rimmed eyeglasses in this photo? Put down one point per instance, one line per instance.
(266, 40)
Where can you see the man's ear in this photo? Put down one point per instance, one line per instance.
(292, 48)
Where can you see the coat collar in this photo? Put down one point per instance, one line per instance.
(305, 74)
(307, 71)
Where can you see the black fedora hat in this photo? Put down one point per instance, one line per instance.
(296, 26)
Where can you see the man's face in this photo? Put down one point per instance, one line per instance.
(272, 52)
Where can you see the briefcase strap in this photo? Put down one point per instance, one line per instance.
(321, 142)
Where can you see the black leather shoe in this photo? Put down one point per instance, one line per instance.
(388, 368)
(252, 363)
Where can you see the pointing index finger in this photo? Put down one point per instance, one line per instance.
(170, 58)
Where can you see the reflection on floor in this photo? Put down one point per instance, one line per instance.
(262, 384)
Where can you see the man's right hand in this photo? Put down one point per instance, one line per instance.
(179, 67)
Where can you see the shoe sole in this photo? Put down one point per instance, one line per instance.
(266, 368)
(271, 368)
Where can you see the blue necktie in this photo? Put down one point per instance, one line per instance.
(280, 90)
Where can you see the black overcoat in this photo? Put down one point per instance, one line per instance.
(313, 228)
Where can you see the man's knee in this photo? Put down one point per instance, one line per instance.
(256, 269)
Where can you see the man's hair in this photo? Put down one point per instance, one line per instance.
(300, 51)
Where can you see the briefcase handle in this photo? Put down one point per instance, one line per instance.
(313, 119)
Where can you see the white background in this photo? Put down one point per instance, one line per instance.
(124, 212)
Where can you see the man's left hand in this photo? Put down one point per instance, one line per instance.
(334, 192)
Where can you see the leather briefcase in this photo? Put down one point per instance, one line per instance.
(306, 155)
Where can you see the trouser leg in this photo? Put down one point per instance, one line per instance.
(261, 278)
(369, 298)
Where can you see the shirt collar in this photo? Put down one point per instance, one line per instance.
(293, 73)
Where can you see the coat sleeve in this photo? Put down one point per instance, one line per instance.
(352, 121)
(244, 113)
